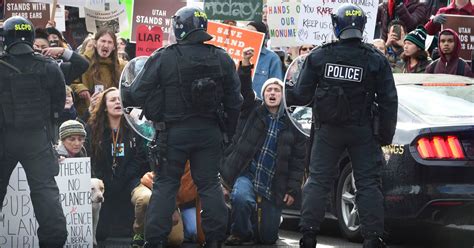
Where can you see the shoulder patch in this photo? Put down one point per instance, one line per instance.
(343, 72)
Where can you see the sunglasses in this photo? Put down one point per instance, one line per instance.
(306, 49)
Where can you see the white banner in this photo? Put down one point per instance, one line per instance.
(315, 25)
(112, 19)
(282, 18)
(19, 227)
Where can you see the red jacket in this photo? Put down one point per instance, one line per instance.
(445, 66)
(433, 28)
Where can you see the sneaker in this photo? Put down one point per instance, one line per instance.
(138, 241)
(374, 243)
(234, 240)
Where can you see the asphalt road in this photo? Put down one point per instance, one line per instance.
(330, 237)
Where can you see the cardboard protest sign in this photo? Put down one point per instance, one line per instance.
(112, 19)
(237, 10)
(155, 13)
(37, 13)
(148, 40)
(464, 26)
(315, 25)
(19, 228)
(234, 40)
(282, 18)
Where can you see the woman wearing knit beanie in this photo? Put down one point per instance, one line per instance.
(414, 58)
(71, 140)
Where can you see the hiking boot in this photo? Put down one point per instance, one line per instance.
(138, 241)
(308, 241)
(374, 243)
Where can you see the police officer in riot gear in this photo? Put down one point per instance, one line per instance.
(191, 91)
(32, 89)
(345, 79)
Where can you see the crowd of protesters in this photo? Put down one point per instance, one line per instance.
(93, 123)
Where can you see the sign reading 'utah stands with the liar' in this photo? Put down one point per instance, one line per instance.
(155, 13)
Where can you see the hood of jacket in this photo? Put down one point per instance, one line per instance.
(457, 46)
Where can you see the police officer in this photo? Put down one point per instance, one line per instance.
(31, 89)
(182, 88)
(346, 78)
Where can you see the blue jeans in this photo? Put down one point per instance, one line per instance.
(244, 216)
(189, 221)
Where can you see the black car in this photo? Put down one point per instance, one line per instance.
(428, 173)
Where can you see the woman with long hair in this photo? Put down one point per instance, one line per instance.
(414, 58)
(104, 70)
(117, 158)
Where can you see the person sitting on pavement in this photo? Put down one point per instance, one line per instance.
(264, 164)
(117, 158)
(184, 218)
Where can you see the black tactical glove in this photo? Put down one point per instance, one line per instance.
(440, 19)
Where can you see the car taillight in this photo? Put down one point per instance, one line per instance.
(440, 147)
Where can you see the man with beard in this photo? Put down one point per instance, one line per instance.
(264, 165)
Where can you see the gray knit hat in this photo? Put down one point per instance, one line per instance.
(71, 127)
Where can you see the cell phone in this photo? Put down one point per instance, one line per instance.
(397, 29)
(98, 88)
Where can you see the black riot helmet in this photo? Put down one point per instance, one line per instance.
(18, 29)
(188, 20)
(349, 21)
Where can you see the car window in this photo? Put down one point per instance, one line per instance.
(439, 104)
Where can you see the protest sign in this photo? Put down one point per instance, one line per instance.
(464, 26)
(19, 227)
(112, 19)
(155, 13)
(76, 30)
(148, 40)
(282, 18)
(37, 13)
(237, 10)
(234, 40)
(315, 25)
(60, 18)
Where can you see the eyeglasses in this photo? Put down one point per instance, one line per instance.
(306, 49)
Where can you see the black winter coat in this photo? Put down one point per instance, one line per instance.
(130, 169)
(250, 135)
